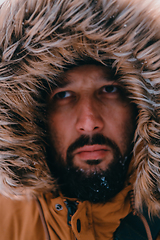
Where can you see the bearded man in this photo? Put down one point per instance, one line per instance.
(79, 120)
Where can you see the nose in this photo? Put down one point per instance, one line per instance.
(89, 119)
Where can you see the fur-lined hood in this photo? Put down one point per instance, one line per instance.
(38, 40)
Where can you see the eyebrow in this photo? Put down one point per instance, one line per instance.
(63, 84)
(62, 81)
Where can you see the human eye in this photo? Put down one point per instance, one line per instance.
(110, 89)
(62, 95)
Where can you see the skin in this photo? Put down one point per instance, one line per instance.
(90, 102)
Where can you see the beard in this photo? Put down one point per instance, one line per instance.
(96, 186)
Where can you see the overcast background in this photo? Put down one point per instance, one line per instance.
(1, 1)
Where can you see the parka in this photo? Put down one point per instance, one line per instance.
(39, 40)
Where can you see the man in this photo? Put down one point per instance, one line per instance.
(79, 115)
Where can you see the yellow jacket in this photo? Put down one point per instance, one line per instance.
(20, 220)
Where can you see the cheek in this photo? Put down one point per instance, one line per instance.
(117, 116)
(127, 128)
(120, 126)
(60, 132)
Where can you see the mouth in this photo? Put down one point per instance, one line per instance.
(91, 152)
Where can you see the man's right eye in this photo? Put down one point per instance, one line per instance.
(62, 95)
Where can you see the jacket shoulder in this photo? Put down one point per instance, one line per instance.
(18, 217)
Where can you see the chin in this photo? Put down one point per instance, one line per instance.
(91, 183)
(93, 165)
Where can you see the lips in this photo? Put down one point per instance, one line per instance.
(91, 152)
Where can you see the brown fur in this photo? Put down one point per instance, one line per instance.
(38, 40)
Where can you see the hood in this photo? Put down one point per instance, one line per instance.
(39, 40)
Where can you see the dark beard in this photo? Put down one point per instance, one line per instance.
(95, 186)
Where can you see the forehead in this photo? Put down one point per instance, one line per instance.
(85, 73)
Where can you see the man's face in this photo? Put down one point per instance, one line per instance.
(91, 122)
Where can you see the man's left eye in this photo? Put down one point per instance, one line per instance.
(110, 89)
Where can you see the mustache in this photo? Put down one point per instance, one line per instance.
(91, 140)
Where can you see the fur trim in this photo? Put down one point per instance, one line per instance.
(38, 40)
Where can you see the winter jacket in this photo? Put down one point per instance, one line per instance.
(90, 221)
(39, 40)
(49, 217)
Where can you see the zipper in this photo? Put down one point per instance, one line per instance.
(72, 208)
